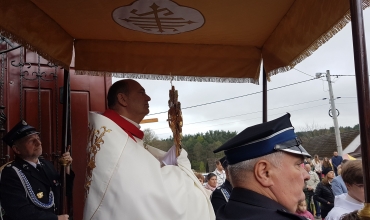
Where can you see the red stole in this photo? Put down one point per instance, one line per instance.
(127, 126)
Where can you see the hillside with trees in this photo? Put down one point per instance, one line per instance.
(314, 131)
(200, 146)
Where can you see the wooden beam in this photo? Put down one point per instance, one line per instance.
(149, 120)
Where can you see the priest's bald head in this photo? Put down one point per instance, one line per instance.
(128, 98)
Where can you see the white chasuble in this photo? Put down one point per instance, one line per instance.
(124, 180)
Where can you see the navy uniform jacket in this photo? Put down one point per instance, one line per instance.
(217, 198)
(14, 200)
(248, 205)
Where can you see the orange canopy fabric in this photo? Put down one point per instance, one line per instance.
(194, 40)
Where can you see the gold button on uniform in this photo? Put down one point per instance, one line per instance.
(40, 195)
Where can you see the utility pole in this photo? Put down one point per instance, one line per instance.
(334, 113)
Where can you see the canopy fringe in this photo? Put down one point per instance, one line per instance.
(319, 42)
(167, 77)
(26, 45)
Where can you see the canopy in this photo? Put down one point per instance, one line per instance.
(204, 40)
(191, 39)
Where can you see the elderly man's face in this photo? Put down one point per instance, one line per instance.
(29, 147)
(288, 181)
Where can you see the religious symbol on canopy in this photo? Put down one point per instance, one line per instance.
(158, 17)
(175, 119)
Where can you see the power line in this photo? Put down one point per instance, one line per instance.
(222, 100)
(257, 112)
(304, 72)
(246, 113)
(208, 103)
(341, 103)
(255, 117)
(291, 84)
(250, 118)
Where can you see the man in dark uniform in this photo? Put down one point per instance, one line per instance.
(265, 169)
(222, 193)
(29, 186)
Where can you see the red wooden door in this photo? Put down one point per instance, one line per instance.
(87, 94)
(42, 109)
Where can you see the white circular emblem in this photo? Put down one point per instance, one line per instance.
(158, 17)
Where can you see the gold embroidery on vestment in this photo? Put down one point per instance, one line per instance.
(94, 142)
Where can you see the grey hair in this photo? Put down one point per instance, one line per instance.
(238, 171)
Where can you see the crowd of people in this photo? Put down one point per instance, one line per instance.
(326, 194)
(265, 174)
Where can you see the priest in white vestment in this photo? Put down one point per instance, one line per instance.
(126, 179)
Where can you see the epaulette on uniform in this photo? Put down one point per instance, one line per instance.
(9, 164)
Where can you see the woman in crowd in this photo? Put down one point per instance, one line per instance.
(324, 194)
(316, 163)
(326, 166)
(211, 184)
(200, 177)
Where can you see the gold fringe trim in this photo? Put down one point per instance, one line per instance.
(167, 77)
(28, 46)
(319, 42)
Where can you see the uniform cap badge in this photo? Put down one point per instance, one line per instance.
(24, 123)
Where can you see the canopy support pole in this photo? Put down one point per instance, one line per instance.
(264, 96)
(362, 82)
(66, 205)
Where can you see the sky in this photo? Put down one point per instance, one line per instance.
(304, 99)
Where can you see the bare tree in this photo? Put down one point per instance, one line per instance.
(312, 130)
(149, 136)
